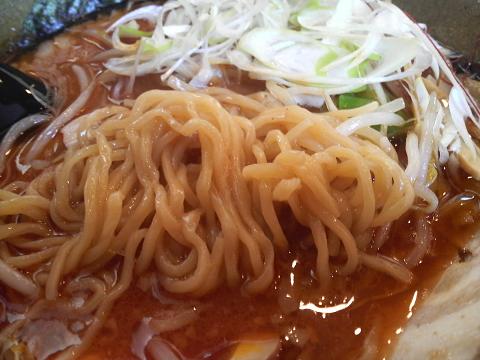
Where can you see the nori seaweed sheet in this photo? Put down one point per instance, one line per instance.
(24, 24)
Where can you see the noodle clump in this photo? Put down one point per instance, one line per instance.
(197, 185)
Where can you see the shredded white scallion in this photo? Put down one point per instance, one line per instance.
(308, 52)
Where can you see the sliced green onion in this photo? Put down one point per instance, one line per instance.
(375, 57)
(216, 41)
(348, 45)
(128, 31)
(432, 173)
(316, 5)
(149, 47)
(324, 61)
(311, 5)
(352, 101)
(293, 20)
(358, 71)
(393, 131)
(351, 47)
(368, 93)
(349, 101)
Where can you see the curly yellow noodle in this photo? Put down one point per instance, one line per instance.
(193, 185)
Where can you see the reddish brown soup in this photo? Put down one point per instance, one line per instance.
(357, 311)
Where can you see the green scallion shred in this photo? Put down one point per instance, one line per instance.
(150, 48)
(358, 71)
(293, 20)
(375, 57)
(350, 101)
(316, 5)
(348, 45)
(128, 31)
(324, 61)
(216, 41)
(351, 47)
(312, 5)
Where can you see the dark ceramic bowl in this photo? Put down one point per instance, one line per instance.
(455, 23)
